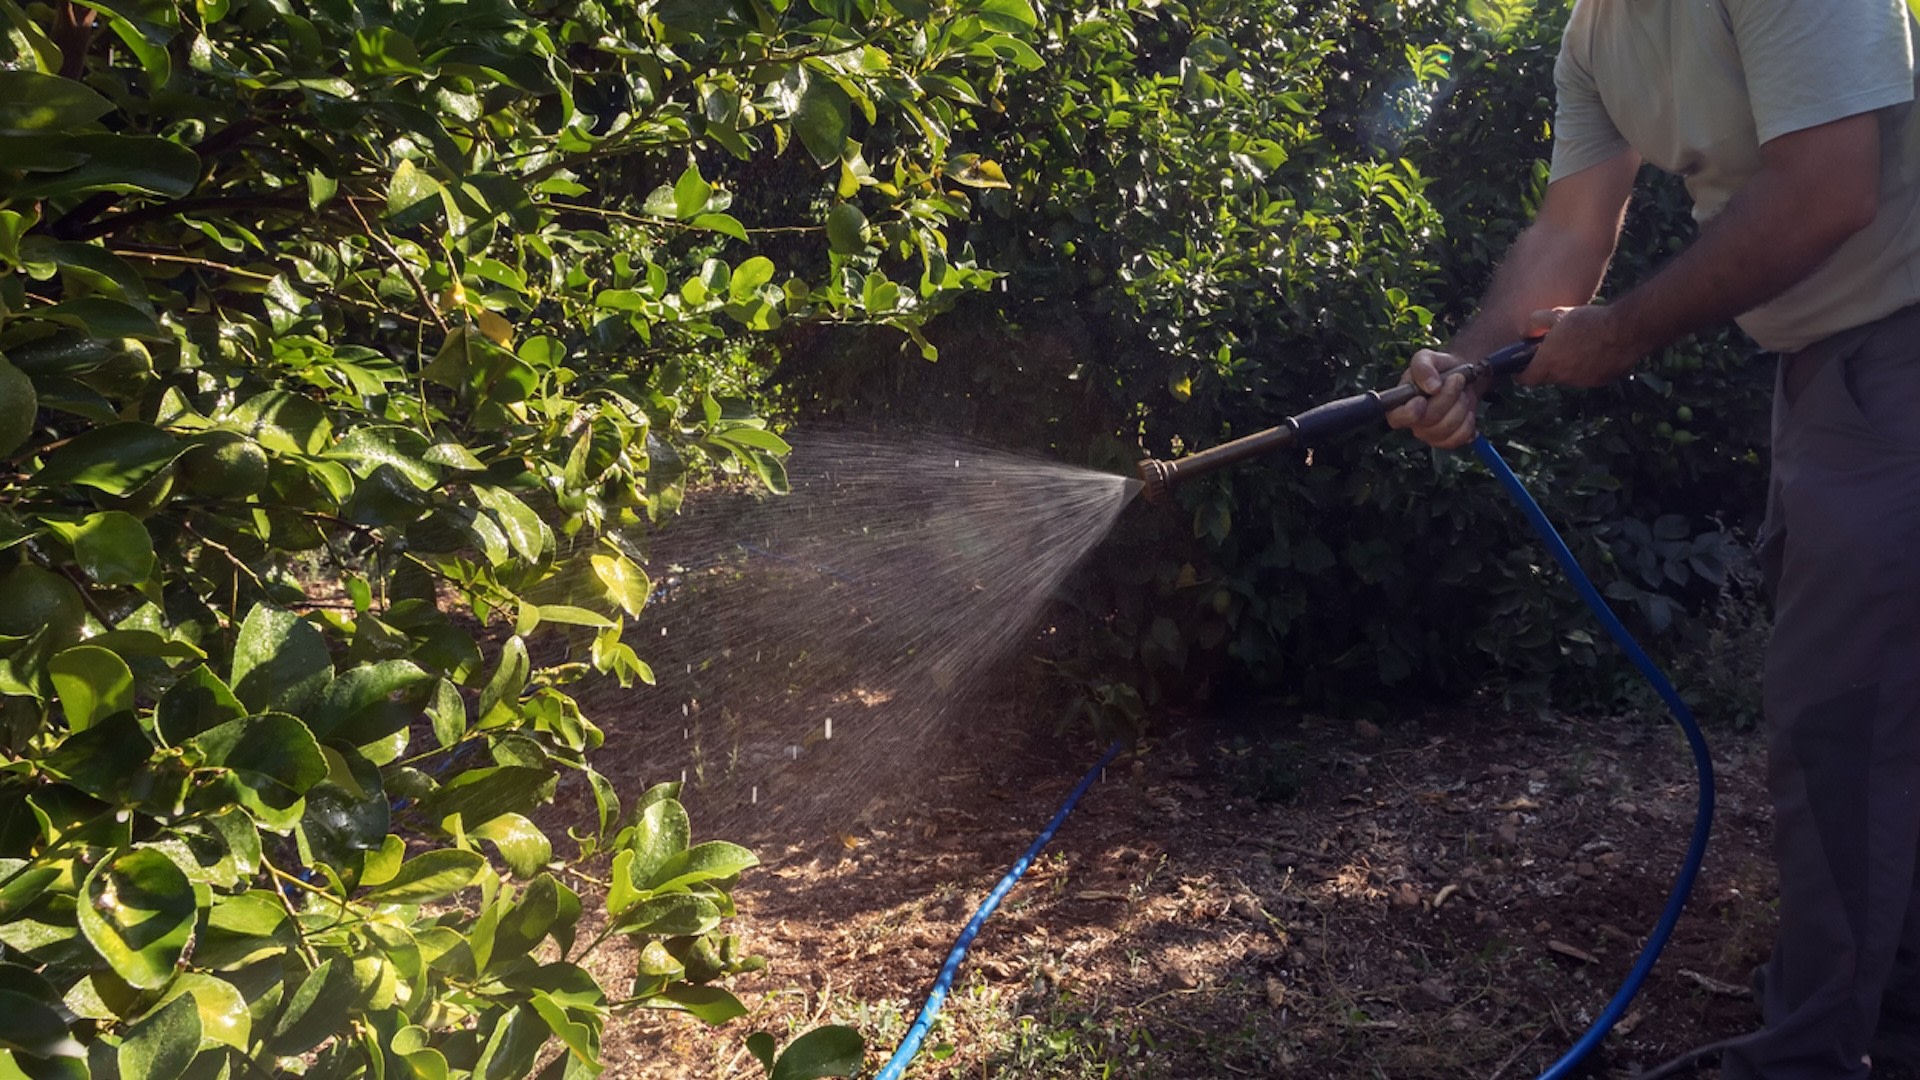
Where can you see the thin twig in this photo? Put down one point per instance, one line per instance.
(1521, 1049)
(406, 268)
(669, 223)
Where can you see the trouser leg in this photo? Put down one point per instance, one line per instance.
(1842, 683)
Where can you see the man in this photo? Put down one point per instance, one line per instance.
(1792, 122)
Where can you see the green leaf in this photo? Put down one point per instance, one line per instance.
(23, 887)
(224, 1017)
(501, 697)
(755, 438)
(92, 683)
(410, 187)
(709, 1003)
(391, 686)
(35, 1027)
(725, 224)
(976, 171)
(572, 616)
(113, 548)
(129, 164)
(714, 860)
(195, 702)
(403, 449)
(274, 759)
(846, 229)
(448, 712)
(691, 193)
(117, 459)
(160, 1045)
(152, 54)
(478, 794)
(761, 1046)
(833, 1050)
(749, 276)
(525, 531)
(137, 910)
(382, 50)
(661, 832)
(279, 660)
(513, 1046)
(626, 584)
(524, 847)
(30, 101)
(579, 1039)
(670, 916)
(433, 875)
(824, 119)
(284, 422)
(1011, 16)
(316, 1012)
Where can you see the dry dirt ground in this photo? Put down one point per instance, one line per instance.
(1266, 895)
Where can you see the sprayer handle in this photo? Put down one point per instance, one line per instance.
(1511, 360)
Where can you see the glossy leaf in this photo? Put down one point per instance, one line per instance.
(92, 683)
(431, 876)
(160, 1045)
(137, 910)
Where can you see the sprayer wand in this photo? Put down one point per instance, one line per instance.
(1332, 418)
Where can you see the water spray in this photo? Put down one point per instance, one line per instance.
(1310, 427)
(1335, 417)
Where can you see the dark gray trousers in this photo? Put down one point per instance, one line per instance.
(1841, 551)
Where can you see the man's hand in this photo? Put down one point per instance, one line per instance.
(1444, 418)
(1584, 346)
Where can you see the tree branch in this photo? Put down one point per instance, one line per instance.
(157, 211)
(73, 35)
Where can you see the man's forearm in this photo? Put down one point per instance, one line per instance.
(1816, 187)
(1769, 237)
(1548, 266)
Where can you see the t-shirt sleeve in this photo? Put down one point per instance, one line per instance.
(1811, 62)
(1584, 134)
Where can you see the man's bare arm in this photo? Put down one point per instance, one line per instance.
(1815, 188)
(1559, 260)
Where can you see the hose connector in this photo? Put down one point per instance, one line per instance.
(1156, 479)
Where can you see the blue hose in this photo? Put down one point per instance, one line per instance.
(1657, 941)
(1703, 819)
(910, 1045)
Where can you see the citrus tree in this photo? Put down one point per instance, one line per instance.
(350, 349)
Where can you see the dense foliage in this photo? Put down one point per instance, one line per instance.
(1220, 213)
(349, 350)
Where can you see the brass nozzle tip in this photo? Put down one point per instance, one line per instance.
(1156, 479)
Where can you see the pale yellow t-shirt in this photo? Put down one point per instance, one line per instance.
(1697, 86)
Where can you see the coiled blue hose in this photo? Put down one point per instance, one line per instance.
(1656, 942)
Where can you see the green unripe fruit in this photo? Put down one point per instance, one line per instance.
(225, 464)
(1683, 414)
(125, 371)
(1663, 429)
(1222, 601)
(18, 404)
(37, 597)
(1682, 438)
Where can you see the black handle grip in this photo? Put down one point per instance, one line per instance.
(1335, 417)
(1511, 360)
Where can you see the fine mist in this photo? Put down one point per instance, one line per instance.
(810, 647)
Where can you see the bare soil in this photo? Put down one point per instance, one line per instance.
(1263, 894)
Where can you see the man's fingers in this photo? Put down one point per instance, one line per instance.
(1411, 415)
(1457, 433)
